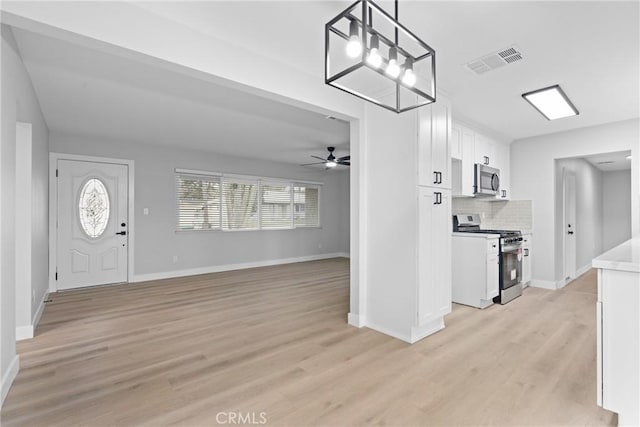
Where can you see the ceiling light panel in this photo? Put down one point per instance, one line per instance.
(551, 102)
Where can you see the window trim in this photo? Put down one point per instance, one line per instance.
(259, 180)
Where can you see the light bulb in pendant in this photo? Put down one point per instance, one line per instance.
(374, 59)
(409, 78)
(393, 69)
(354, 46)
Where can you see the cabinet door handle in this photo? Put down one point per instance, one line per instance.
(435, 179)
(526, 252)
(439, 177)
(438, 198)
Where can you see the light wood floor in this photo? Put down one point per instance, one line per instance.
(275, 340)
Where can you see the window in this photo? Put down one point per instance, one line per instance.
(305, 205)
(198, 202)
(239, 205)
(275, 205)
(225, 202)
(93, 208)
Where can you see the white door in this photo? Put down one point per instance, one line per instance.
(92, 224)
(569, 225)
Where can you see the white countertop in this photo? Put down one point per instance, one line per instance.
(625, 257)
(476, 235)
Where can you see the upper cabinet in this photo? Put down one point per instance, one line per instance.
(503, 163)
(469, 147)
(434, 146)
(485, 150)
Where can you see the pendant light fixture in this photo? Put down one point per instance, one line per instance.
(356, 42)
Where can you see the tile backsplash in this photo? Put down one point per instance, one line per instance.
(509, 215)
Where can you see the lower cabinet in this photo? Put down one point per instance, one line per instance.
(434, 254)
(618, 343)
(476, 269)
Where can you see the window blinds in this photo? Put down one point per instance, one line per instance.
(239, 204)
(214, 202)
(198, 202)
(275, 206)
(306, 201)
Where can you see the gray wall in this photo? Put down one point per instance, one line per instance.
(156, 241)
(19, 103)
(588, 209)
(616, 215)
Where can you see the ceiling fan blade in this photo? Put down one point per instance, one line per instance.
(316, 163)
(345, 163)
(319, 158)
(340, 159)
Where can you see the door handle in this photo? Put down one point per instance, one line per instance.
(569, 232)
(122, 233)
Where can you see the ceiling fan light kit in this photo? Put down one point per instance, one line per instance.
(356, 42)
(331, 161)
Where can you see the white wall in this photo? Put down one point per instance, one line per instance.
(588, 226)
(391, 248)
(533, 177)
(156, 241)
(616, 206)
(19, 104)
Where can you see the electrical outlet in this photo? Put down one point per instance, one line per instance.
(175, 258)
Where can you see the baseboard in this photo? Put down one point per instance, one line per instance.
(8, 377)
(418, 333)
(355, 320)
(229, 267)
(24, 332)
(583, 270)
(395, 334)
(28, 331)
(544, 284)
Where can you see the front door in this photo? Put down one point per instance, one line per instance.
(92, 224)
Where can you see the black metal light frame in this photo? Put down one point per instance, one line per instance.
(560, 91)
(365, 21)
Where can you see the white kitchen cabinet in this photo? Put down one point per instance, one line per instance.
(526, 259)
(476, 269)
(502, 158)
(485, 150)
(434, 149)
(618, 332)
(462, 170)
(456, 141)
(434, 254)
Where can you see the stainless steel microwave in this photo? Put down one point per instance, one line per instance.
(487, 182)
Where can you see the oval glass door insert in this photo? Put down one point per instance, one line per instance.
(93, 208)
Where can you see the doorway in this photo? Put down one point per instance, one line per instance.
(91, 241)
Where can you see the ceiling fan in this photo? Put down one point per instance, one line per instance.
(331, 161)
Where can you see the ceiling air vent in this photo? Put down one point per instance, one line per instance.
(494, 60)
(607, 162)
